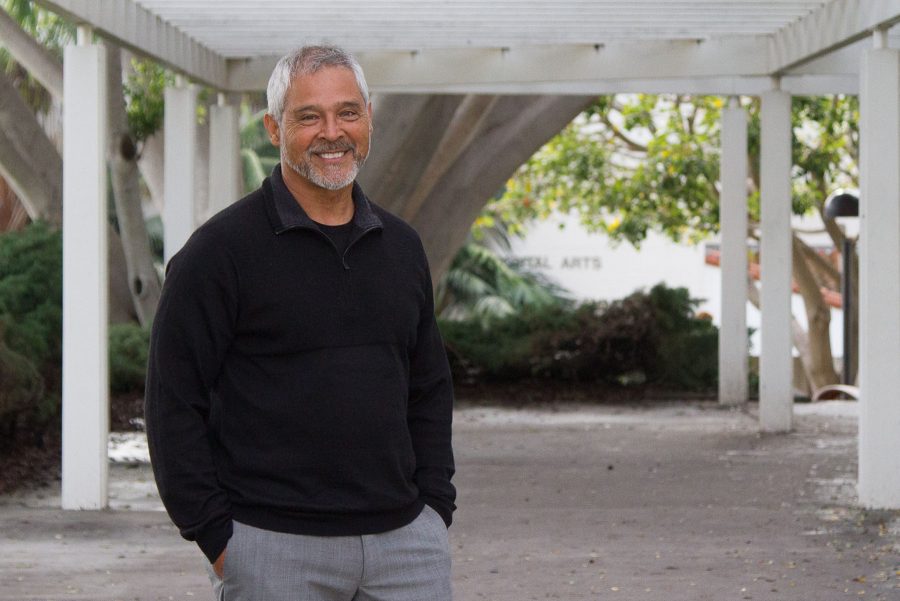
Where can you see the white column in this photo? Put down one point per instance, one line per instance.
(180, 129)
(879, 289)
(225, 177)
(776, 359)
(733, 261)
(85, 381)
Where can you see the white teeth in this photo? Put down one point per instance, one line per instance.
(332, 155)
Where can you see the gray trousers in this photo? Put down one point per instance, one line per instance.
(411, 563)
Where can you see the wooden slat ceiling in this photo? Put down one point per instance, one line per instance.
(247, 28)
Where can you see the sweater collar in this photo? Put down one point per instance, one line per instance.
(288, 213)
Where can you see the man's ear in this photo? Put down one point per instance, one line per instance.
(371, 122)
(273, 129)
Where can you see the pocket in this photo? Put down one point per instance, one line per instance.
(434, 523)
(230, 551)
(218, 585)
(432, 513)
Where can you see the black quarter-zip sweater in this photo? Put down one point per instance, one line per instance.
(293, 387)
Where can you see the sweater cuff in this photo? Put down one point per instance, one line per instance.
(214, 540)
(445, 511)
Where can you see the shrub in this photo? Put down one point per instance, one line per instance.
(652, 338)
(128, 347)
(31, 318)
(687, 356)
(31, 331)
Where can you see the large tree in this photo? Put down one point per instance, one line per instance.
(31, 95)
(635, 163)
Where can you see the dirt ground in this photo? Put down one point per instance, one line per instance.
(666, 501)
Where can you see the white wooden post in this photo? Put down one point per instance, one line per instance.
(733, 343)
(85, 379)
(879, 287)
(225, 177)
(180, 127)
(776, 358)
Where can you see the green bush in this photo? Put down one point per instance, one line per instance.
(31, 319)
(128, 346)
(31, 331)
(688, 345)
(507, 348)
(651, 338)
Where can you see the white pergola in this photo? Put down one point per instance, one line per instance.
(766, 48)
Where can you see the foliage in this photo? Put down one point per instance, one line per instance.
(626, 165)
(31, 291)
(650, 338)
(826, 131)
(50, 31)
(632, 163)
(258, 155)
(479, 285)
(129, 344)
(31, 329)
(689, 345)
(31, 314)
(635, 163)
(144, 90)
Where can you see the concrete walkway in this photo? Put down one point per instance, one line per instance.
(664, 502)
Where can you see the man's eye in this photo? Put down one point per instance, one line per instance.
(308, 118)
(349, 115)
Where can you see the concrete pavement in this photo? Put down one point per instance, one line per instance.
(671, 501)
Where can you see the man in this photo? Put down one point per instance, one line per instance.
(299, 400)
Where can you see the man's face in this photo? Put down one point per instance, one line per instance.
(325, 128)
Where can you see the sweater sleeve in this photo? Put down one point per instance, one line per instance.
(192, 330)
(430, 413)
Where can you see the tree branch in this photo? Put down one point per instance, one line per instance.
(829, 275)
(29, 53)
(818, 316)
(632, 145)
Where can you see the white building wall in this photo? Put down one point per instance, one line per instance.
(592, 267)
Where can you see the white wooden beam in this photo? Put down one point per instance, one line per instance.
(798, 85)
(646, 59)
(180, 129)
(836, 24)
(775, 357)
(879, 286)
(733, 343)
(225, 177)
(132, 26)
(85, 379)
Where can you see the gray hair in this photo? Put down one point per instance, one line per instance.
(305, 61)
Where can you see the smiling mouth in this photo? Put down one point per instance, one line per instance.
(332, 155)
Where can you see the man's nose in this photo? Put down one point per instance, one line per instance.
(331, 129)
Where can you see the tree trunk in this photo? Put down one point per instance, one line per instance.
(121, 308)
(798, 334)
(29, 53)
(28, 160)
(33, 167)
(142, 278)
(151, 163)
(817, 356)
(13, 215)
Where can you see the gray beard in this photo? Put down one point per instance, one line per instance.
(321, 179)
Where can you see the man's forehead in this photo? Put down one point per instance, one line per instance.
(329, 85)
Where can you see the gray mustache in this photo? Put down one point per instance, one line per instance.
(333, 147)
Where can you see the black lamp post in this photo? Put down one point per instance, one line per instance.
(845, 205)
